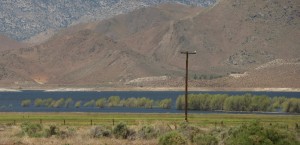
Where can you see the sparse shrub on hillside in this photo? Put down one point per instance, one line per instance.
(207, 76)
(26, 103)
(172, 138)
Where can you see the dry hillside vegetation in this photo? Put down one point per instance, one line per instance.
(233, 36)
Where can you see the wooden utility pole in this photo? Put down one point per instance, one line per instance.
(186, 80)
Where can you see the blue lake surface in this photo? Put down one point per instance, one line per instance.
(11, 101)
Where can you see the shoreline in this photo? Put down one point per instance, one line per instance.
(99, 89)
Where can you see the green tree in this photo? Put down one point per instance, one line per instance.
(89, 103)
(113, 101)
(180, 102)
(47, 102)
(217, 102)
(260, 103)
(68, 102)
(78, 104)
(59, 103)
(144, 102)
(278, 101)
(165, 103)
(100, 103)
(149, 103)
(38, 102)
(291, 105)
(130, 102)
(26, 103)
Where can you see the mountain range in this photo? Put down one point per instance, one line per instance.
(239, 43)
(36, 20)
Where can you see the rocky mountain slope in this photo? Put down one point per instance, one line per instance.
(142, 48)
(7, 43)
(24, 19)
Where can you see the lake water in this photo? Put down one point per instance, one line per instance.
(11, 101)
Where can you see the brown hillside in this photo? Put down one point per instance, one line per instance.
(232, 36)
(7, 43)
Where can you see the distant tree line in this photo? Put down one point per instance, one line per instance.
(112, 101)
(206, 76)
(246, 102)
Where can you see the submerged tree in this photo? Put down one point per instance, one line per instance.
(26, 103)
(100, 103)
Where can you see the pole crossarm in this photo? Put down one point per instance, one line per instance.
(188, 52)
(186, 80)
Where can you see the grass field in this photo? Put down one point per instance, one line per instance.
(83, 122)
(133, 119)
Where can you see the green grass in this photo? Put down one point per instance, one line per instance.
(133, 119)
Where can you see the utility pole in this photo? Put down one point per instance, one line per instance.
(186, 80)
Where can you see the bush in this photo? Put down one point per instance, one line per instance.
(32, 130)
(255, 133)
(172, 138)
(147, 132)
(67, 132)
(53, 130)
(162, 127)
(97, 132)
(189, 131)
(26, 103)
(205, 139)
(121, 131)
